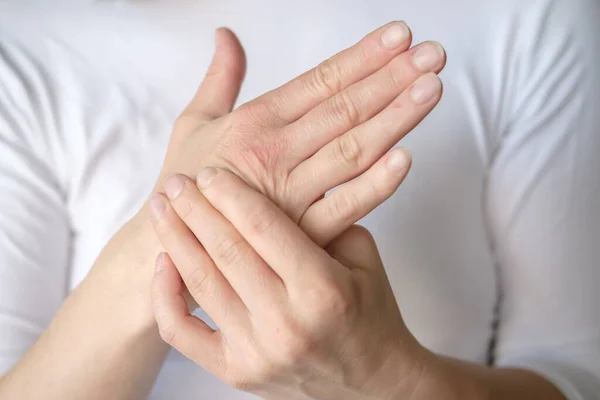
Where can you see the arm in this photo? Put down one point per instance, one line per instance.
(542, 197)
(86, 347)
(293, 320)
(108, 319)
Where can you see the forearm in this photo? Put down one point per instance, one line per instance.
(447, 378)
(102, 343)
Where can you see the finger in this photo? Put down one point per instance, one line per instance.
(221, 86)
(191, 336)
(364, 99)
(253, 280)
(206, 284)
(273, 235)
(356, 248)
(349, 155)
(296, 98)
(332, 215)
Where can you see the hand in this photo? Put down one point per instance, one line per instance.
(340, 117)
(295, 321)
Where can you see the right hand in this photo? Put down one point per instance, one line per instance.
(322, 129)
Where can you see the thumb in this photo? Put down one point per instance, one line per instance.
(356, 248)
(219, 90)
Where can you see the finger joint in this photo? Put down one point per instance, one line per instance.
(344, 109)
(230, 251)
(350, 151)
(326, 78)
(197, 281)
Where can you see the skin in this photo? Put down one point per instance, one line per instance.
(344, 116)
(351, 120)
(296, 321)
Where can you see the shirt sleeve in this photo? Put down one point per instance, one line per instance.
(543, 199)
(34, 226)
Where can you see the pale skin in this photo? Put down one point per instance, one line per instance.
(108, 319)
(296, 321)
(343, 116)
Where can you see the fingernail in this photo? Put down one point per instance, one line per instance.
(395, 35)
(173, 186)
(428, 56)
(398, 160)
(157, 207)
(425, 88)
(160, 263)
(205, 177)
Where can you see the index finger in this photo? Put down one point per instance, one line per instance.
(294, 99)
(269, 231)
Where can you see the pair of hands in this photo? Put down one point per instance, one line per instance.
(301, 299)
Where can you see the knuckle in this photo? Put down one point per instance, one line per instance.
(261, 218)
(396, 76)
(345, 206)
(345, 109)
(349, 151)
(329, 303)
(296, 347)
(326, 77)
(230, 251)
(197, 281)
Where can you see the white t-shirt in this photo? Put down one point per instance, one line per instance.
(493, 242)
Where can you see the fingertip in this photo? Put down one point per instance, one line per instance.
(157, 207)
(399, 160)
(221, 34)
(396, 34)
(226, 38)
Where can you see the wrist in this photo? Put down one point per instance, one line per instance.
(400, 375)
(125, 270)
(445, 378)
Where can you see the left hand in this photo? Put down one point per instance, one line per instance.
(295, 321)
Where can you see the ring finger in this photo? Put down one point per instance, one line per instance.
(351, 154)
